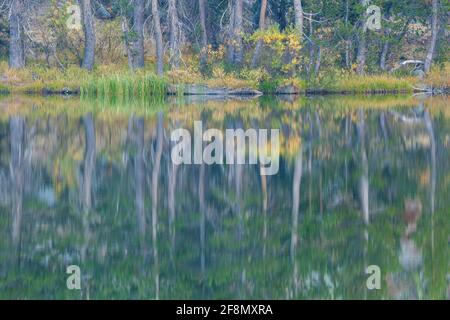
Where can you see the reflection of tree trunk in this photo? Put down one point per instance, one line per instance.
(264, 208)
(429, 126)
(364, 182)
(89, 162)
(239, 170)
(295, 211)
(171, 204)
(383, 126)
(155, 175)
(136, 131)
(201, 198)
(88, 171)
(16, 166)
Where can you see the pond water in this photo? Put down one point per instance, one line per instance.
(361, 182)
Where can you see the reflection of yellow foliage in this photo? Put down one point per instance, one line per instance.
(424, 177)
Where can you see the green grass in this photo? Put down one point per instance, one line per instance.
(364, 84)
(123, 87)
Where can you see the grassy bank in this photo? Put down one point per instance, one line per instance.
(123, 87)
(116, 83)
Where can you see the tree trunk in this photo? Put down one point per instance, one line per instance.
(158, 38)
(235, 52)
(16, 38)
(386, 44)
(89, 35)
(434, 33)
(361, 56)
(318, 60)
(311, 48)
(126, 33)
(204, 40)
(347, 42)
(383, 56)
(137, 43)
(298, 9)
(174, 37)
(238, 31)
(262, 26)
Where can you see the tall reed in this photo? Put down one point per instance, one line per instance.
(123, 87)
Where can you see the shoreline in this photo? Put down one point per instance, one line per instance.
(247, 92)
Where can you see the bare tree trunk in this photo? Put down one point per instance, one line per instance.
(434, 33)
(318, 60)
(174, 37)
(238, 32)
(16, 35)
(299, 17)
(126, 33)
(311, 48)
(347, 42)
(204, 38)
(361, 56)
(262, 26)
(137, 42)
(383, 56)
(158, 38)
(385, 49)
(89, 35)
(235, 52)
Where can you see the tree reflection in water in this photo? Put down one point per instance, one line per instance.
(356, 187)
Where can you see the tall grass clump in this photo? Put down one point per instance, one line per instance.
(123, 87)
(345, 82)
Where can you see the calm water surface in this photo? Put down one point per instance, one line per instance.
(361, 182)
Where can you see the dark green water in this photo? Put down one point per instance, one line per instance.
(99, 190)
